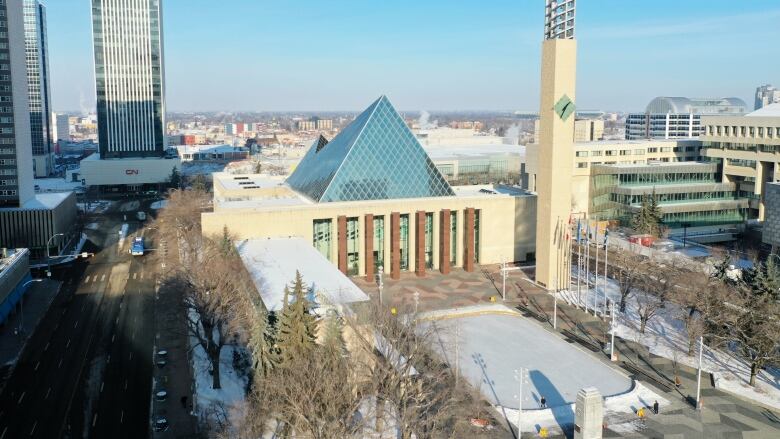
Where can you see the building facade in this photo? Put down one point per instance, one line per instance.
(372, 199)
(771, 232)
(61, 127)
(39, 92)
(585, 130)
(748, 150)
(678, 117)
(14, 274)
(129, 77)
(16, 162)
(765, 95)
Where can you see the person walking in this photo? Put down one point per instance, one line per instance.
(655, 407)
(543, 402)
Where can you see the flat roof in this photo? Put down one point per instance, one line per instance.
(636, 142)
(239, 181)
(272, 264)
(41, 201)
(210, 149)
(771, 110)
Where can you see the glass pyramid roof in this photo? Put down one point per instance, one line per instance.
(375, 157)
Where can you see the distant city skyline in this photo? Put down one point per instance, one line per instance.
(437, 56)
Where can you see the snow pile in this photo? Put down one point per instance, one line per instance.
(191, 169)
(157, 205)
(666, 336)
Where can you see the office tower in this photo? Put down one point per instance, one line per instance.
(556, 144)
(765, 95)
(61, 127)
(678, 117)
(129, 77)
(16, 179)
(39, 95)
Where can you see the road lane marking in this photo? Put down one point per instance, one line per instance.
(121, 418)
(109, 358)
(20, 398)
(59, 365)
(117, 320)
(102, 278)
(101, 386)
(112, 337)
(125, 384)
(47, 393)
(94, 419)
(135, 275)
(33, 429)
(37, 364)
(67, 344)
(46, 348)
(4, 431)
(76, 324)
(131, 356)
(83, 306)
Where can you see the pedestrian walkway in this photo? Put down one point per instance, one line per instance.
(172, 367)
(21, 323)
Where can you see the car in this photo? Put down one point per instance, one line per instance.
(141, 216)
(137, 248)
(160, 424)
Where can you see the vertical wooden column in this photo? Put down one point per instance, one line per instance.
(419, 243)
(342, 243)
(444, 241)
(369, 247)
(395, 245)
(468, 254)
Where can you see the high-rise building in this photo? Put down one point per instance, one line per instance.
(765, 95)
(16, 179)
(129, 77)
(556, 144)
(39, 93)
(61, 127)
(677, 117)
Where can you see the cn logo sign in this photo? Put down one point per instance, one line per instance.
(131, 171)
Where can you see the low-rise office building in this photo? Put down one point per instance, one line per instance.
(748, 151)
(372, 199)
(14, 274)
(211, 153)
(35, 223)
(132, 174)
(771, 230)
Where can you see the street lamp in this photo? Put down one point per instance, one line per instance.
(20, 328)
(48, 253)
(379, 273)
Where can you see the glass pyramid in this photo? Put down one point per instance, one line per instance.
(375, 157)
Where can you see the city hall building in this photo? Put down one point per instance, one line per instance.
(372, 199)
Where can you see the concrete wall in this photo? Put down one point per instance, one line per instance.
(506, 232)
(32, 228)
(12, 271)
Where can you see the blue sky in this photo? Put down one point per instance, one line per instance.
(431, 54)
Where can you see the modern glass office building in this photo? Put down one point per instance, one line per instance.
(37, 55)
(678, 117)
(129, 77)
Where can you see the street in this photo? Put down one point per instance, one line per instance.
(87, 369)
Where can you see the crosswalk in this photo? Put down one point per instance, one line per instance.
(97, 278)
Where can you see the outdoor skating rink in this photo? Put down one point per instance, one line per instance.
(493, 345)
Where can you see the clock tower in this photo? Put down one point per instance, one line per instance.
(556, 146)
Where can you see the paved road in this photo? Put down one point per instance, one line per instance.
(87, 369)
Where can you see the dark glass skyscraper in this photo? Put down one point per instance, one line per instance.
(37, 55)
(129, 77)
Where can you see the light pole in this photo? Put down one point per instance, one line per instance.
(20, 328)
(48, 253)
(504, 270)
(416, 301)
(698, 376)
(379, 282)
(614, 328)
(520, 376)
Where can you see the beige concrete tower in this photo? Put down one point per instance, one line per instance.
(556, 144)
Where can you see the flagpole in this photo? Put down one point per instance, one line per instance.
(587, 266)
(596, 282)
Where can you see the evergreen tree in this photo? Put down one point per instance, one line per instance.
(199, 183)
(175, 178)
(262, 343)
(333, 343)
(763, 279)
(226, 243)
(649, 218)
(297, 327)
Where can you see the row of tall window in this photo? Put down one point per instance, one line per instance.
(324, 238)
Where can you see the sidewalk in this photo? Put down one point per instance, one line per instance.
(175, 376)
(36, 302)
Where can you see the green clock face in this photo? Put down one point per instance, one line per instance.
(564, 107)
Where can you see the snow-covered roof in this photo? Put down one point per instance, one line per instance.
(46, 201)
(208, 149)
(771, 110)
(272, 264)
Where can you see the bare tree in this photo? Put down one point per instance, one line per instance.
(628, 270)
(654, 289)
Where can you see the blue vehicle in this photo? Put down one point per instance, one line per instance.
(138, 246)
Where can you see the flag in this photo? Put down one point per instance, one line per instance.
(579, 231)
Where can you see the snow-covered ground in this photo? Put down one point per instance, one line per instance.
(157, 205)
(666, 336)
(227, 401)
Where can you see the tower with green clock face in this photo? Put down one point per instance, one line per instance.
(555, 146)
